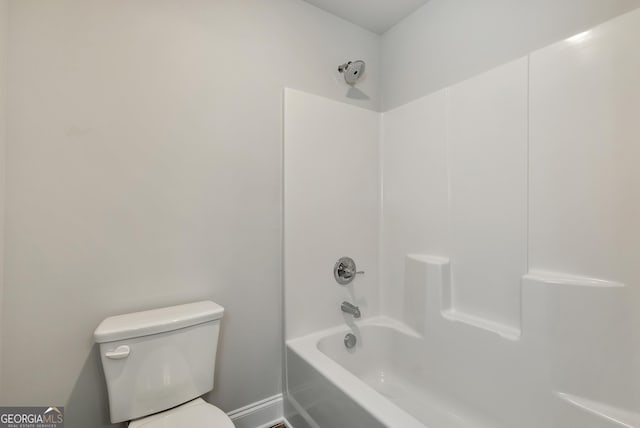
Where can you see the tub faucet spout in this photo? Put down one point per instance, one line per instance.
(350, 309)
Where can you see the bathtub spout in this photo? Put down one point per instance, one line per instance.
(350, 309)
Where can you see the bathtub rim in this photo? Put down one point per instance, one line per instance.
(377, 405)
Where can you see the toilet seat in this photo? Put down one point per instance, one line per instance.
(194, 414)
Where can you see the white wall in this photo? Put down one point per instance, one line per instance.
(447, 41)
(415, 189)
(585, 99)
(4, 32)
(538, 173)
(144, 169)
(487, 161)
(462, 165)
(331, 209)
(455, 184)
(585, 210)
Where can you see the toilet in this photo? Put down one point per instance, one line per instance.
(158, 363)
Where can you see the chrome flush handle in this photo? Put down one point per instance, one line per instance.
(121, 352)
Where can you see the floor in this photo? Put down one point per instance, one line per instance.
(279, 426)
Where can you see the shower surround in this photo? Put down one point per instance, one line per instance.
(497, 222)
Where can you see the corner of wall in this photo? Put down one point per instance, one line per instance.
(4, 30)
(445, 42)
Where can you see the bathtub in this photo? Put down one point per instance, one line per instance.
(385, 381)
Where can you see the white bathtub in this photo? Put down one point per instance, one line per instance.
(383, 382)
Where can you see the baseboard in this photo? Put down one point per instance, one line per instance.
(261, 414)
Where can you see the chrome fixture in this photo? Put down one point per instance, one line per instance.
(350, 340)
(345, 270)
(348, 308)
(352, 70)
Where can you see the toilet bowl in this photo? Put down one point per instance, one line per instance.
(158, 363)
(194, 414)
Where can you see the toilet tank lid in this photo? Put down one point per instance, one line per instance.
(155, 321)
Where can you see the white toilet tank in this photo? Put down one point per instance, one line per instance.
(158, 359)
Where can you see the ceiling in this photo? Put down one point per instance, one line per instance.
(374, 15)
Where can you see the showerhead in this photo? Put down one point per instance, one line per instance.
(352, 70)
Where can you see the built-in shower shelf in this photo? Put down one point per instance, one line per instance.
(428, 279)
(429, 289)
(618, 418)
(502, 330)
(554, 278)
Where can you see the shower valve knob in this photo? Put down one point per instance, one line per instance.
(345, 271)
